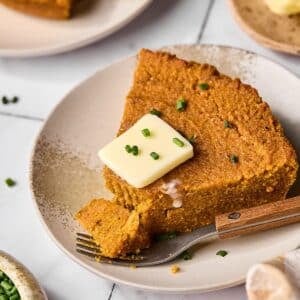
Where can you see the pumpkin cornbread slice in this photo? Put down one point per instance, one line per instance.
(56, 9)
(242, 157)
(114, 228)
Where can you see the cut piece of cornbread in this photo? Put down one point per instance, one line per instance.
(114, 228)
(241, 156)
(56, 9)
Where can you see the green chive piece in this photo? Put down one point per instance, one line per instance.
(10, 182)
(165, 236)
(135, 150)
(5, 100)
(14, 297)
(146, 132)
(178, 142)
(222, 253)
(15, 99)
(154, 155)
(186, 255)
(234, 158)
(192, 139)
(181, 104)
(155, 112)
(227, 124)
(128, 148)
(203, 86)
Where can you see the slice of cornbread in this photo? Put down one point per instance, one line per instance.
(115, 229)
(56, 9)
(242, 157)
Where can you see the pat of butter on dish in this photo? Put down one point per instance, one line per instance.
(141, 170)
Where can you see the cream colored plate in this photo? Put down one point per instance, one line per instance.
(66, 171)
(93, 20)
(279, 32)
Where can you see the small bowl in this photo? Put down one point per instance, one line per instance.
(23, 279)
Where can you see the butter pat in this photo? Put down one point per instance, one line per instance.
(141, 170)
(284, 7)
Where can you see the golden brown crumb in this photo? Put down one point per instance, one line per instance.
(132, 266)
(98, 258)
(175, 269)
(269, 189)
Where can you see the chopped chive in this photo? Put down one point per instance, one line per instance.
(192, 139)
(5, 100)
(154, 155)
(186, 255)
(228, 124)
(178, 142)
(203, 86)
(135, 150)
(15, 99)
(10, 182)
(128, 148)
(155, 112)
(165, 236)
(181, 104)
(146, 132)
(222, 253)
(234, 158)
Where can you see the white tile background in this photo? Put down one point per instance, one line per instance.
(41, 82)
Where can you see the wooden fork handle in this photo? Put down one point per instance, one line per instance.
(259, 218)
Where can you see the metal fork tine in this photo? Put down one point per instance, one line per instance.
(89, 254)
(86, 242)
(84, 235)
(91, 249)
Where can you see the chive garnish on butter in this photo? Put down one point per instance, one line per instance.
(135, 150)
(128, 148)
(203, 86)
(146, 132)
(154, 155)
(178, 142)
(181, 104)
(155, 112)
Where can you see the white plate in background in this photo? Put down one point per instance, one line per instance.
(24, 35)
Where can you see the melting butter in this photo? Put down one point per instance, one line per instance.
(142, 169)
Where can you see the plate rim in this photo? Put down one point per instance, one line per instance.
(166, 290)
(260, 38)
(73, 45)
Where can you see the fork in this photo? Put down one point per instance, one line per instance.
(229, 225)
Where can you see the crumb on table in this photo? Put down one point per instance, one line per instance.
(175, 269)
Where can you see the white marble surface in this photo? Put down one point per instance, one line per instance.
(41, 82)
